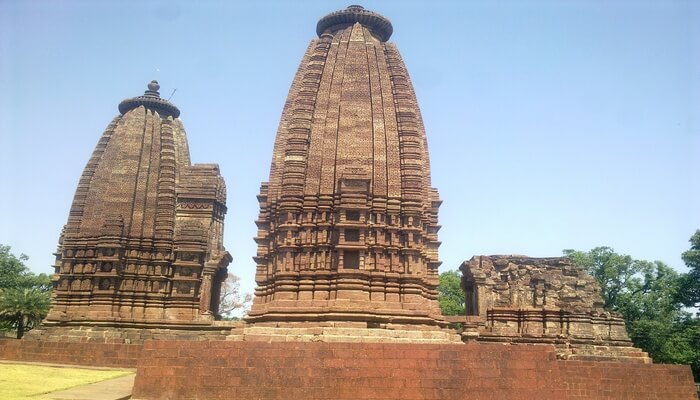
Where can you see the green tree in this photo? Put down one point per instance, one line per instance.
(689, 293)
(24, 296)
(622, 279)
(11, 268)
(646, 294)
(450, 293)
(23, 308)
(15, 274)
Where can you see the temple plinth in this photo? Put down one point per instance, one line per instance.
(143, 245)
(348, 222)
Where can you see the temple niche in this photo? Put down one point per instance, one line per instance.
(143, 245)
(523, 300)
(347, 231)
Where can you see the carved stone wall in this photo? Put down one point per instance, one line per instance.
(520, 299)
(144, 238)
(348, 221)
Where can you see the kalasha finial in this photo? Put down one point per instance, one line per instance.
(154, 86)
(376, 23)
(151, 100)
(152, 89)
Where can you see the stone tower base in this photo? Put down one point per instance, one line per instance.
(128, 333)
(343, 333)
(240, 331)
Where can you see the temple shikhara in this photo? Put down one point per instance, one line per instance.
(348, 221)
(144, 238)
(346, 304)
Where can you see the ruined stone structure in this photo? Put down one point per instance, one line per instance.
(144, 240)
(519, 299)
(348, 220)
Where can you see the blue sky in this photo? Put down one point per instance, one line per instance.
(551, 124)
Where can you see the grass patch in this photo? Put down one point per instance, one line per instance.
(20, 381)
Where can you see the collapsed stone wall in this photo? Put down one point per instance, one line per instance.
(525, 282)
(520, 299)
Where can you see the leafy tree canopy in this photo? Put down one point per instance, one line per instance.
(646, 294)
(15, 274)
(450, 293)
(689, 293)
(24, 296)
(634, 288)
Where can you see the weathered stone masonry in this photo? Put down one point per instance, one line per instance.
(144, 238)
(524, 300)
(348, 221)
(347, 247)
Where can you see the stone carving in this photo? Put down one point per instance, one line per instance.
(140, 202)
(348, 220)
(520, 299)
(105, 283)
(194, 205)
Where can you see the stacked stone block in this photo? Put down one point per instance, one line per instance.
(348, 224)
(520, 299)
(144, 238)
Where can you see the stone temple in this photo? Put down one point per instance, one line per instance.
(347, 263)
(348, 220)
(144, 238)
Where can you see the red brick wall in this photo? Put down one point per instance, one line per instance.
(247, 370)
(95, 354)
(584, 380)
(227, 369)
(219, 369)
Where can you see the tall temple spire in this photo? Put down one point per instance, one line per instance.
(144, 238)
(348, 220)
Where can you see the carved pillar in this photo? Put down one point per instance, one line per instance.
(205, 294)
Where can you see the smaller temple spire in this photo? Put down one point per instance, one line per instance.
(152, 101)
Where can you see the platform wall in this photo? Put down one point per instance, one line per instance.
(249, 370)
(294, 370)
(94, 354)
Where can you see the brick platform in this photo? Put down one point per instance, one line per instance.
(95, 354)
(585, 380)
(256, 370)
(247, 370)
